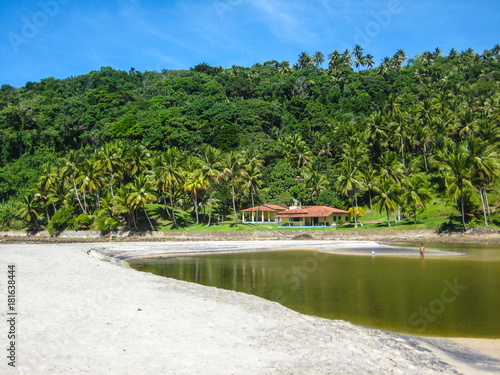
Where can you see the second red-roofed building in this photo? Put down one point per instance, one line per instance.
(312, 216)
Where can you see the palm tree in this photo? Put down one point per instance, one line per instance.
(29, 208)
(421, 137)
(438, 52)
(398, 59)
(252, 177)
(72, 167)
(47, 177)
(456, 164)
(92, 180)
(172, 174)
(453, 53)
(121, 204)
(110, 161)
(232, 168)
(59, 193)
(316, 182)
(384, 66)
(485, 168)
(295, 150)
(386, 198)
(369, 61)
(304, 60)
(195, 181)
(359, 59)
(398, 124)
(496, 49)
(318, 59)
(284, 68)
(349, 181)
(376, 132)
(210, 159)
(137, 160)
(141, 192)
(370, 180)
(416, 193)
(334, 60)
(346, 59)
(390, 166)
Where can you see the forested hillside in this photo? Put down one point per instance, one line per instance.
(94, 151)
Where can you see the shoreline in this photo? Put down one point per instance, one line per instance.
(384, 235)
(120, 252)
(79, 314)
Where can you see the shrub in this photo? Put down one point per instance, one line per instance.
(82, 222)
(340, 223)
(105, 223)
(61, 220)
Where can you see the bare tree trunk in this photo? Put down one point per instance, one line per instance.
(357, 209)
(145, 212)
(84, 202)
(132, 216)
(234, 206)
(487, 204)
(77, 196)
(172, 206)
(166, 208)
(195, 201)
(210, 209)
(463, 209)
(354, 208)
(403, 151)
(425, 157)
(484, 206)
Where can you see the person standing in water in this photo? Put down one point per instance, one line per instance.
(422, 251)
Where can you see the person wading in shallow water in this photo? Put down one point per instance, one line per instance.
(422, 251)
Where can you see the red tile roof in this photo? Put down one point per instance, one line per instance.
(276, 206)
(265, 208)
(311, 211)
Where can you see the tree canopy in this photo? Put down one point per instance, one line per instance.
(109, 142)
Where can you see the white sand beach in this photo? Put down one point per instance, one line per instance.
(78, 314)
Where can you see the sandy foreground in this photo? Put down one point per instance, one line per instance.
(80, 314)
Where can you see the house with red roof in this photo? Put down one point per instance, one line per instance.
(312, 216)
(265, 213)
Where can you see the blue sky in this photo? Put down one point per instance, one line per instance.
(64, 38)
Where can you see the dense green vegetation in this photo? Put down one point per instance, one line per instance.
(169, 149)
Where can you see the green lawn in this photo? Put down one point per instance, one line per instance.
(439, 213)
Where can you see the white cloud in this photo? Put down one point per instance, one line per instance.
(288, 20)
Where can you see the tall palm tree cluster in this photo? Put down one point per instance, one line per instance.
(394, 154)
(119, 180)
(438, 137)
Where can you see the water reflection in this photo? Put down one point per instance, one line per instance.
(436, 296)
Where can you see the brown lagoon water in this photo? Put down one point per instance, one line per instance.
(441, 296)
